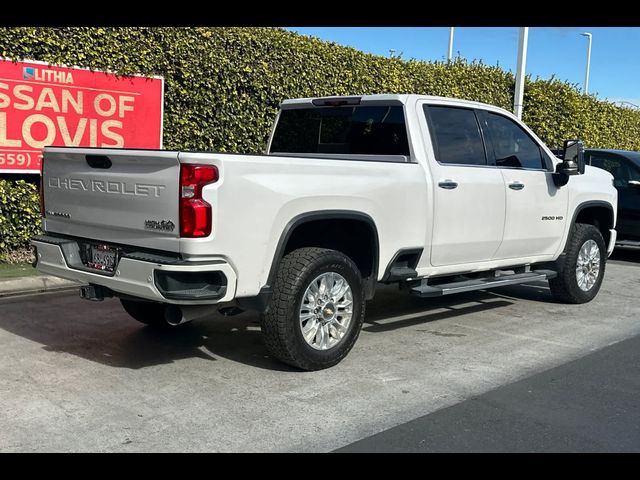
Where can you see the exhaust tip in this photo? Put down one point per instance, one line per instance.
(173, 315)
(176, 315)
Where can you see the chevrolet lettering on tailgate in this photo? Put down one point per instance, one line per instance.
(104, 186)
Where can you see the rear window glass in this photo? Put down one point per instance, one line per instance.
(374, 130)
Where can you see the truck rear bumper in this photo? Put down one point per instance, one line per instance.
(142, 276)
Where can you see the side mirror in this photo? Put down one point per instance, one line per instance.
(573, 157)
(572, 162)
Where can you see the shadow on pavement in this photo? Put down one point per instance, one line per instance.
(104, 333)
(532, 291)
(626, 254)
(392, 309)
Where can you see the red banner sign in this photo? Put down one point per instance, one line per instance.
(43, 105)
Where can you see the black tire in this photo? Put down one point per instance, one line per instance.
(565, 286)
(280, 324)
(149, 313)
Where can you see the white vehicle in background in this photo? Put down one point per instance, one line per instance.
(437, 194)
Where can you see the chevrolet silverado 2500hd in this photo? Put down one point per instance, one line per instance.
(437, 194)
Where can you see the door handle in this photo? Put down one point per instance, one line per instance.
(516, 185)
(447, 184)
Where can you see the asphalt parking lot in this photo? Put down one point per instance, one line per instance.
(83, 376)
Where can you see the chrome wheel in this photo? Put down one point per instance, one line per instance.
(326, 311)
(588, 265)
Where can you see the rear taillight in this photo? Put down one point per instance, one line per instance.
(195, 213)
(42, 213)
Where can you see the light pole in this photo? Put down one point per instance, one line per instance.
(586, 75)
(522, 62)
(450, 51)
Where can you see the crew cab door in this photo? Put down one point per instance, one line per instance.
(469, 199)
(536, 211)
(626, 179)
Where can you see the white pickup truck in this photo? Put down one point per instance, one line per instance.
(437, 194)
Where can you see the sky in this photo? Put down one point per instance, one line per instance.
(559, 51)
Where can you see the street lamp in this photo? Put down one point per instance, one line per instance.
(450, 51)
(586, 76)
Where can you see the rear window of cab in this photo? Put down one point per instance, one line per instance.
(355, 130)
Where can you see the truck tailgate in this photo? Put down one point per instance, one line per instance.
(127, 197)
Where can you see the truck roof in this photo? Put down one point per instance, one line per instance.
(390, 97)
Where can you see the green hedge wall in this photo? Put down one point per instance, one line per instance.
(19, 214)
(223, 85)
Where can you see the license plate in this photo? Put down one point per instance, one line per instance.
(102, 257)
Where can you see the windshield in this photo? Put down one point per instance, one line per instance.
(361, 130)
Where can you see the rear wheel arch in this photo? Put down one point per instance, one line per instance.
(297, 234)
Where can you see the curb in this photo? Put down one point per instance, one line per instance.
(35, 284)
